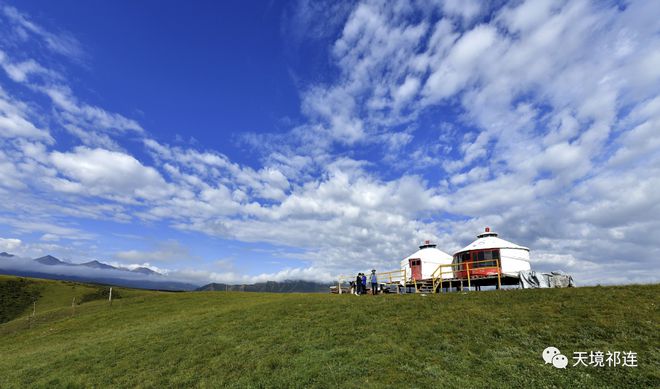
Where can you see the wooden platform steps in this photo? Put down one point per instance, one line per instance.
(425, 286)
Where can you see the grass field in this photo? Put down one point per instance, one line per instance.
(51, 295)
(218, 339)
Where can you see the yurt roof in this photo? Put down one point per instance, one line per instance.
(489, 240)
(428, 252)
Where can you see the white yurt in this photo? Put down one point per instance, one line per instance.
(425, 261)
(489, 247)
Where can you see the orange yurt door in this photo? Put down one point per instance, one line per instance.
(416, 268)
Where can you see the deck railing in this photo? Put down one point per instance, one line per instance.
(400, 277)
(468, 268)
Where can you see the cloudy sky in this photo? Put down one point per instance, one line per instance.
(246, 141)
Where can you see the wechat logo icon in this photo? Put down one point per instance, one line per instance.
(553, 356)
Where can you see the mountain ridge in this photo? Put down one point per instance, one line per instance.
(102, 273)
(51, 261)
(98, 265)
(286, 286)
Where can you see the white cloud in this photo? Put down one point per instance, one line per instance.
(19, 72)
(346, 217)
(147, 265)
(203, 276)
(168, 251)
(49, 238)
(452, 74)
(40, 226)
(101, 172)
(529, 14)
(84, 115)
(9, 244)
(466, 9)
(213, 175)
(90, 123)
(62, 43)
(407, 90)
(14, 121)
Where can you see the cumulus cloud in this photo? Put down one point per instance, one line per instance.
(107, 173)
(9, 244)
(538, 137)
(451, 75)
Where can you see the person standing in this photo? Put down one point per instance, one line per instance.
(364, 283)
(358, 284)
(374, 282)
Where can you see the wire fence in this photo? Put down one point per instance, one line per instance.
(35, 318)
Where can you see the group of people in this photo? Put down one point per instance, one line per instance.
(359, 286)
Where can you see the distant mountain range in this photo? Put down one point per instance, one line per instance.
(50, 267)
(52, 261)
(288, 286)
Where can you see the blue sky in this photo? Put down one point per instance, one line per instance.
(229, 141)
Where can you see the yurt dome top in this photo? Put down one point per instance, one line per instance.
(489, 240)
(429, 252)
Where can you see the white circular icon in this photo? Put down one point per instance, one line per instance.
(549, 353)
(560, 361)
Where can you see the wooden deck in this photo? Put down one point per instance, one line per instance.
(398, 281)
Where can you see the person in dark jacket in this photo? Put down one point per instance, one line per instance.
(374, 282)
(358, 284)
(364, 283)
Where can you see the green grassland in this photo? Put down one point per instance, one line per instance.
(220, 339)
(17, 295)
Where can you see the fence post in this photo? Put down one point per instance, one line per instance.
(468, 274)
(499, 278)
(110, 296)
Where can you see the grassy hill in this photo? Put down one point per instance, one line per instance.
(213, 339)
(17, 295)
